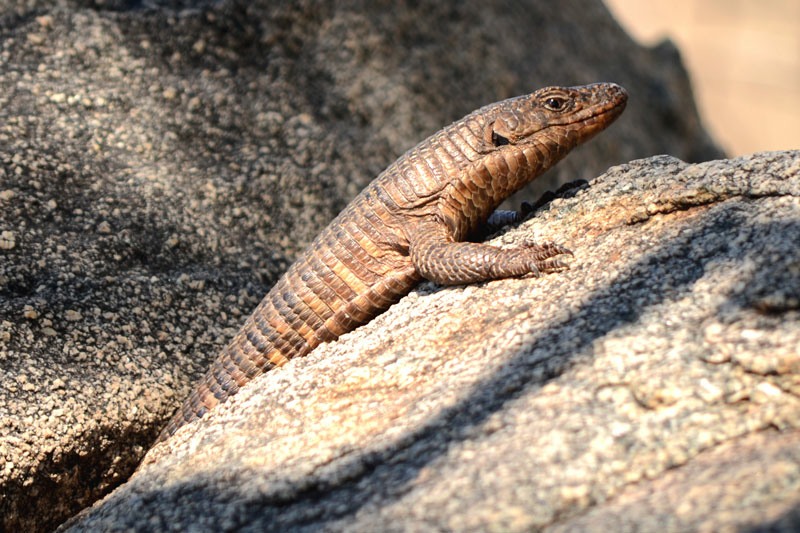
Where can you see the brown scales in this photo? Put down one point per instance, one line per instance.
(410, 224)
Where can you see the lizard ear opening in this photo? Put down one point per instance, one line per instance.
(493, 138)
(498, 140)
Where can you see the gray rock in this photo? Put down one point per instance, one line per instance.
(161, 163)
(652, 387)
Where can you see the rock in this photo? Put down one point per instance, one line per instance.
(652, 386)
(161, 163)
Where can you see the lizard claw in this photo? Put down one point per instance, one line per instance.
(542, 258)
(537, 267)
(552, 265)
(545, 250)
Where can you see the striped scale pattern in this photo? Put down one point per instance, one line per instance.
(411, 223)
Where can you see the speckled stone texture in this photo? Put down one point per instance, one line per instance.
(161, 163)
(654, 386)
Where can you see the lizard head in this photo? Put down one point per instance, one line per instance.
(567, 116)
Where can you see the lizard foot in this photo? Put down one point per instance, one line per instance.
(542, 258)
(532, 259)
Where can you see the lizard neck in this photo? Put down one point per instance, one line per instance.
(493, 178)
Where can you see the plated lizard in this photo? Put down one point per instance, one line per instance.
(411, 223)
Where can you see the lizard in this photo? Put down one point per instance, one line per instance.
(413, 222)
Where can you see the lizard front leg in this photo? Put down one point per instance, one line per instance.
(437, 257)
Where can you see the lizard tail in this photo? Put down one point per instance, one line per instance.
(267, 340)
(314, 302)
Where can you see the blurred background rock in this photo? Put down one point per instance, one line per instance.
(743, 57)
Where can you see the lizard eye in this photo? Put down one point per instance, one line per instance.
(498, 140)
(554, 103)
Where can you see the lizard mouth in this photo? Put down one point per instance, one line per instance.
(615, 110)
(604, 116)
(620, 101)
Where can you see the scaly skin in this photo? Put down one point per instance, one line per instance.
(410, 223)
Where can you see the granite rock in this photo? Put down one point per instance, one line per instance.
(654, 386)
